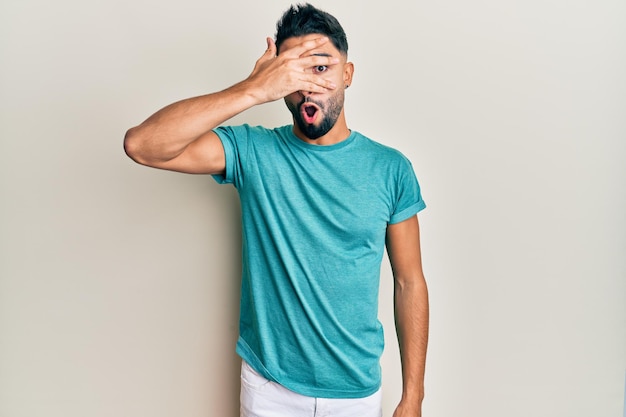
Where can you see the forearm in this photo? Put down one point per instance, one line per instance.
(411, 315)
(171, 131)
(166, 134)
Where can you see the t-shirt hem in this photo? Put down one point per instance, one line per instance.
(246, 353)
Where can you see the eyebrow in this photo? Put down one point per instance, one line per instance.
(322, 54)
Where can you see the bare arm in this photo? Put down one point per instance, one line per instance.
(411, 312)
(179, 137)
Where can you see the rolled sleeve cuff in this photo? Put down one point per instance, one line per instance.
(407, 212)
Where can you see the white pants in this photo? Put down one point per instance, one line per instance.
(263, 398)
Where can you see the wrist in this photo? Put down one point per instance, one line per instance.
(412, 397)
(407, 409)
(251, 92)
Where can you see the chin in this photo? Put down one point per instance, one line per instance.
(315, 131)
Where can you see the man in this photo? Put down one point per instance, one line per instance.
(319, 202)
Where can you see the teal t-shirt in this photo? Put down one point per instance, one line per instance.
(314, 220)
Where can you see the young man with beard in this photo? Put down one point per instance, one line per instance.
(319, 202)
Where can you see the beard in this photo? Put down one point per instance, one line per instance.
(330, 111)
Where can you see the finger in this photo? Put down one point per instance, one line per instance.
(316, 60)
(306, 46)
(316, 85)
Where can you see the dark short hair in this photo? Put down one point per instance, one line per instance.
(305, 19)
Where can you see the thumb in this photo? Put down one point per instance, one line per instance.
(268, 55)
(271, 47)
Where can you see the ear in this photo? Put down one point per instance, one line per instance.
(348, 70)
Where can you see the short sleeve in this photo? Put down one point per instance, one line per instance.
(408, 194)
(235, 142)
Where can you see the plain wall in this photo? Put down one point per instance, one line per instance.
(119, 283)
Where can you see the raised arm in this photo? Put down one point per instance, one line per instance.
(179, 137)
(411, 312)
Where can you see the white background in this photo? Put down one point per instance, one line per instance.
(119, 283)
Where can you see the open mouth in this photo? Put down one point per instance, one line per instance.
(309, 112)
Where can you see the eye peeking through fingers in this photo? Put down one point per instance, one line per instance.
(320, 68)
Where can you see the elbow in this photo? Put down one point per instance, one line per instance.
(132, 145)
(414, 283)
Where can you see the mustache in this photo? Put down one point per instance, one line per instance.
(308, 99)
